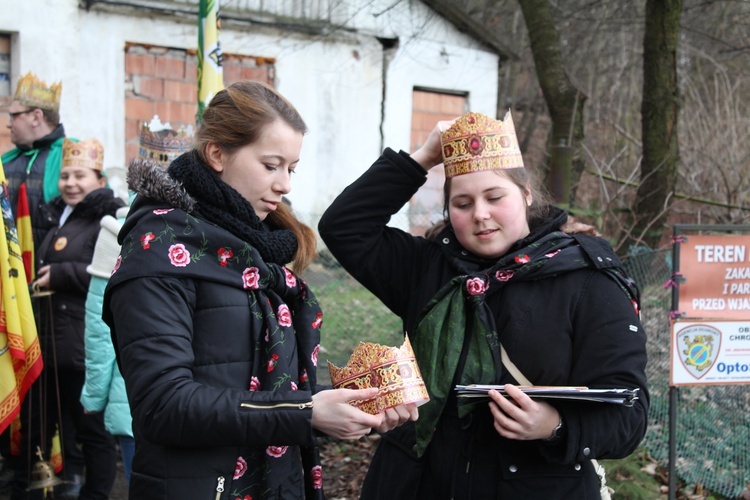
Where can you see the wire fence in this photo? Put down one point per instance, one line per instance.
(712, 429)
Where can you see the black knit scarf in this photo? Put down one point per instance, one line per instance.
(221, 204)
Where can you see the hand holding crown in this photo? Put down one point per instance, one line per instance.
(471, 143)
(335, 415)
(430, 153)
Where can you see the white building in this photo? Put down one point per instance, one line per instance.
(364, 74)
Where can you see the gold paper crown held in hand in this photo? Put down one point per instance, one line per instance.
(33, 92)
(88, 153)
(160, 143)
(476, 142)
(393, 370)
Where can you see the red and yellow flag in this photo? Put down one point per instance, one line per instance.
(55, 454)
(25, 234)
(20, 353)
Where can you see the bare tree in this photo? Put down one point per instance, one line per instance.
(660, 120)
(564, 101)
(602, 47)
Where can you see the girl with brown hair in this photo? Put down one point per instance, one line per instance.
(217, 338)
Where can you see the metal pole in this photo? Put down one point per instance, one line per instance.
(677, 229)
(672, 441)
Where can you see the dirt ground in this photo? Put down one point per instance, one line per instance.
(345, 464)
(119, 490)
(344, 467)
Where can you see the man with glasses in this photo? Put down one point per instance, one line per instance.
(37, 133)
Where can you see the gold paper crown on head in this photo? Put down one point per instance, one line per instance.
(393, 370)
(476, 142)
(161, 144)
(33, 92)
(88, 153)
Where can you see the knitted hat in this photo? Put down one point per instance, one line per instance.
(476, 142)
(107, 249)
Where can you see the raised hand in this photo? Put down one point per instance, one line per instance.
(431, 152)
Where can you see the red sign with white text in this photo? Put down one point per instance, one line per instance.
(716, 272)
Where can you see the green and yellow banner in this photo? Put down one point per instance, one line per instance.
(210, 75)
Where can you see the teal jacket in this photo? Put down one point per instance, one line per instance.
(104, 389)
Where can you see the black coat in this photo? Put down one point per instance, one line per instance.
(187, 345)
(577, 329)
(68, 249)
(15, 173)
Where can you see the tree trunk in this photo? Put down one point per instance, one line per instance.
(659, 115)
(564, 101)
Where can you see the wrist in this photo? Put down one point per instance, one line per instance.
(423, 160)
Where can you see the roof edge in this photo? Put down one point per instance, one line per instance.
(464, 23)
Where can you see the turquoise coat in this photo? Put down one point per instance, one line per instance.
(104, 389)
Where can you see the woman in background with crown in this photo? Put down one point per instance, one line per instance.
(217, 339)
(504, 291)
(63, 256)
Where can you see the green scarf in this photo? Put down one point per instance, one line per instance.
(460, 308)
(51, 169)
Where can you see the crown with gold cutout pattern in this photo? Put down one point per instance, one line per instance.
(476, 142)
(393, 370)
(35, 93)
(88, 153)
(160, 143)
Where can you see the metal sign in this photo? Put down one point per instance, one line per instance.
(705, 353)
(714, 277)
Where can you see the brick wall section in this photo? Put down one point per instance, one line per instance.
(163, 81)
(428, 108)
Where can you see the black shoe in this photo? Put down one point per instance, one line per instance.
(70, 489)
(21, 493)
(7, 476)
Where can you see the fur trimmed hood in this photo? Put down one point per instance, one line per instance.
(148, 178)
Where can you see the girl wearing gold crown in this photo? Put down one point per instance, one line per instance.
(505, 291)
(62, 258)
(217, 338)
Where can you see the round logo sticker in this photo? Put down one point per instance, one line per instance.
(61, 243)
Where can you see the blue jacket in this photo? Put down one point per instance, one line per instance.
(104, 389)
